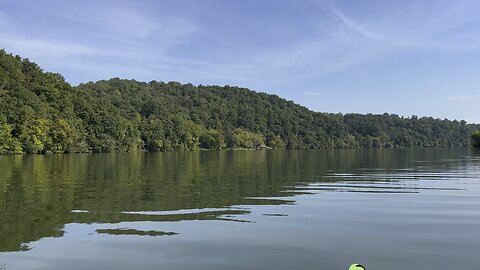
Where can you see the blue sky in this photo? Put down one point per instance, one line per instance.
(403, 57)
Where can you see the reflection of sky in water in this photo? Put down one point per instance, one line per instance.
(391, 211)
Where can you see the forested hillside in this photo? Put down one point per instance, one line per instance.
(41, 113)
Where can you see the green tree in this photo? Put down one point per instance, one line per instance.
(63, 137)
(212, 139)
(245, 139)
(476, 139)
(8, 144)
(274, 141)
(35, 136)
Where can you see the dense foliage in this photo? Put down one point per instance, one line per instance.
(41, 113)
(476, 139)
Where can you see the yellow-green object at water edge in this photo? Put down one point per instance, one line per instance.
(356, 267)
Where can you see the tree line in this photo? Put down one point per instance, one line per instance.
(41, 113)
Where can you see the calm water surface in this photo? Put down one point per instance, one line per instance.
(323, 209)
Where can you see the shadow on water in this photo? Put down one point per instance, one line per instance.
(39, 195)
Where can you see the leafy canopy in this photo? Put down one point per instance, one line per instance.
(41, 113)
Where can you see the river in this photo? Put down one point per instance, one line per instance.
(299, 209)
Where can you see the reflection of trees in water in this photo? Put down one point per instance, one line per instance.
(134, 232)
(38, 193)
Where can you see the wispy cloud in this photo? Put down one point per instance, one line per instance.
(126, 25)
(400, 13)
(47, 47)
(356, 27)
(410, 28)
(462, 98)
(110, 39)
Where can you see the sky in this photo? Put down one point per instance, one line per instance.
(371, 56)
